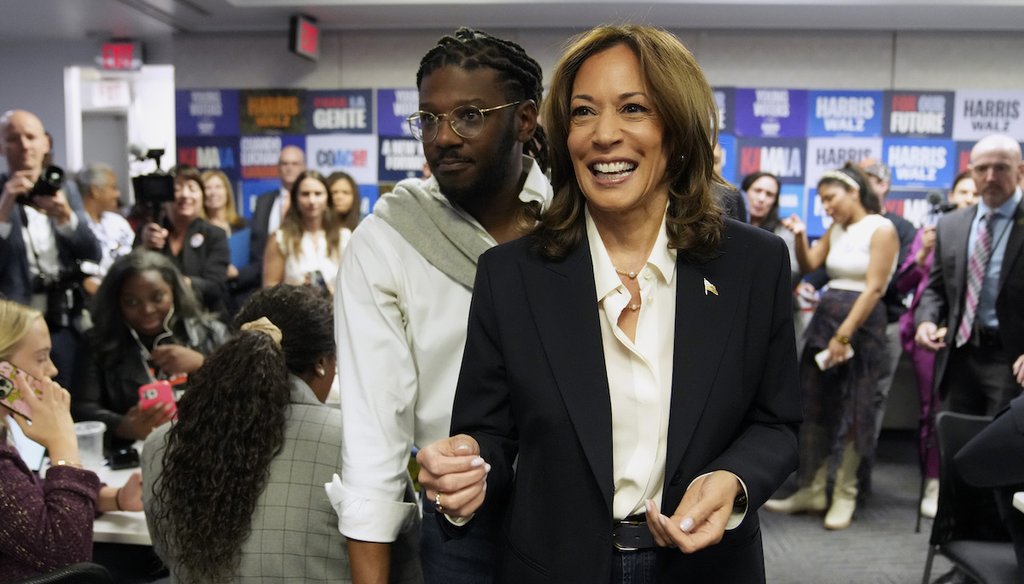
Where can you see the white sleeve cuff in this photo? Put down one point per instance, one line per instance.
(737, 515)
(374, 520)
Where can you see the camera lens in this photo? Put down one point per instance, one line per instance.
(50, 181)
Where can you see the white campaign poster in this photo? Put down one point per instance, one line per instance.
(824, 154)
(980, 113)
(355, 154)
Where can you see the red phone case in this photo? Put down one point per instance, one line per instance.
(156, 393)
(10, 395)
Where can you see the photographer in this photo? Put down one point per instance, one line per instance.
(42, 239)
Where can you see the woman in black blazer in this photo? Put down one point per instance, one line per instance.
(199, 249)
(635, 352)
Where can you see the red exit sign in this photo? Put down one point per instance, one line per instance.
(120, 56)
(304, 37)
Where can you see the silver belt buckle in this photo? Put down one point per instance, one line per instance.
(619, 546)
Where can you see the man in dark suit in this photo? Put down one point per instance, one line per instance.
(42, 239)
(976, 288)
(266, 218)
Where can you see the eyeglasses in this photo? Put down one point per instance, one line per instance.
(465, 120)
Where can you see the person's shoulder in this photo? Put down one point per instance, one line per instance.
(745, 233)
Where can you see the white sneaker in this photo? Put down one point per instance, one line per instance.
(930, 502)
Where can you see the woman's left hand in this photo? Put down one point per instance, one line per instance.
(130, 496)
(700, 519)
(177, 359)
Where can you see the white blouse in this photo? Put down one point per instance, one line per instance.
(313, 256)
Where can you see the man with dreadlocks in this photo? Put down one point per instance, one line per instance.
(403, 294)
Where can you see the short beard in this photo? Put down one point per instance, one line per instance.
(491, 178)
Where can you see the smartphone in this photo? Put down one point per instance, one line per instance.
(10, 395)
(156, 393)
(317, 280)
(124, 458)
(821, 357)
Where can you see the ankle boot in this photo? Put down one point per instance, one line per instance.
(809, 499)
(844, 495)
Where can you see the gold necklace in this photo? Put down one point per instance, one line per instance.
(630, 275)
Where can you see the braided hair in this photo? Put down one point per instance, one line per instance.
(523, 78)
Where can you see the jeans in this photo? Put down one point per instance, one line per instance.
(633, 567)
(470, 559)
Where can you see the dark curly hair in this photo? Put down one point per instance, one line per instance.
(231, 426)
(523, 78)
(686, 106)
(867, 197)
(110, 335)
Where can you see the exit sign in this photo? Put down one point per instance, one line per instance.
(120, 56)
(304, 37)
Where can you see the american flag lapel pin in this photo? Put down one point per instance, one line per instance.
(709, 287)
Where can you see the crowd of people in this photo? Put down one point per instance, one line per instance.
(587, 336)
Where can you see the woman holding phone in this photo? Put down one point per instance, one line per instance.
(45, 524)
(149, 328)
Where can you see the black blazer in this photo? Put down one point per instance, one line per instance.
(251, 276)
(15, 282)
(942, 301)
(534, 384)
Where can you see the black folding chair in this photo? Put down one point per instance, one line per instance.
(967, 528)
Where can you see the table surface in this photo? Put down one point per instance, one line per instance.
(1018, 501)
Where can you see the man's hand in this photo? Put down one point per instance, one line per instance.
(453, 475)
(1018, 370)
(700, 518)
(55, 207)
(18, 184)
(929, 336)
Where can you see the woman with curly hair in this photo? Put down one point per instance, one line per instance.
(234, 489)
(665, 410)
(148, 327)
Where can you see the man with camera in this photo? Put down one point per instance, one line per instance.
(42, 239)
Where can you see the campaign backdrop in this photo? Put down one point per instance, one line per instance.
(798, 134)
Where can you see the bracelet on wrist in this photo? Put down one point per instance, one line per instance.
(63, 462)
(841, 339)
(117, 499)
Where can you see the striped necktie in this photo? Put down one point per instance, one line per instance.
(976, 266)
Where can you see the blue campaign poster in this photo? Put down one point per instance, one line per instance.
(211, 153)
(771, 113)
(920, 163)
(393, 107)
(725, 100)
(206, 112)
(783, 157)
(400, 158)
(728, 144)
(844, 113)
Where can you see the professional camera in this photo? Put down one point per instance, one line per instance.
(155, 188)
(63, 296)
(49, 182)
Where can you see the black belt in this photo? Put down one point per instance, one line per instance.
(632, 534)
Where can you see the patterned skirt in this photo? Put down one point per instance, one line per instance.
(838, 403)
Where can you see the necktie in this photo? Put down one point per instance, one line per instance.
(976, 266)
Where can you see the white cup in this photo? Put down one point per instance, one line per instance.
(90, 443)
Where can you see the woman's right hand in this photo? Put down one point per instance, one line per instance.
(453, 475)
(153, 236)
(794, 225)
(51, 425)
(137, 423)
(928, 239)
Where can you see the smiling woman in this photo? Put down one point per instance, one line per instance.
(669, 405)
